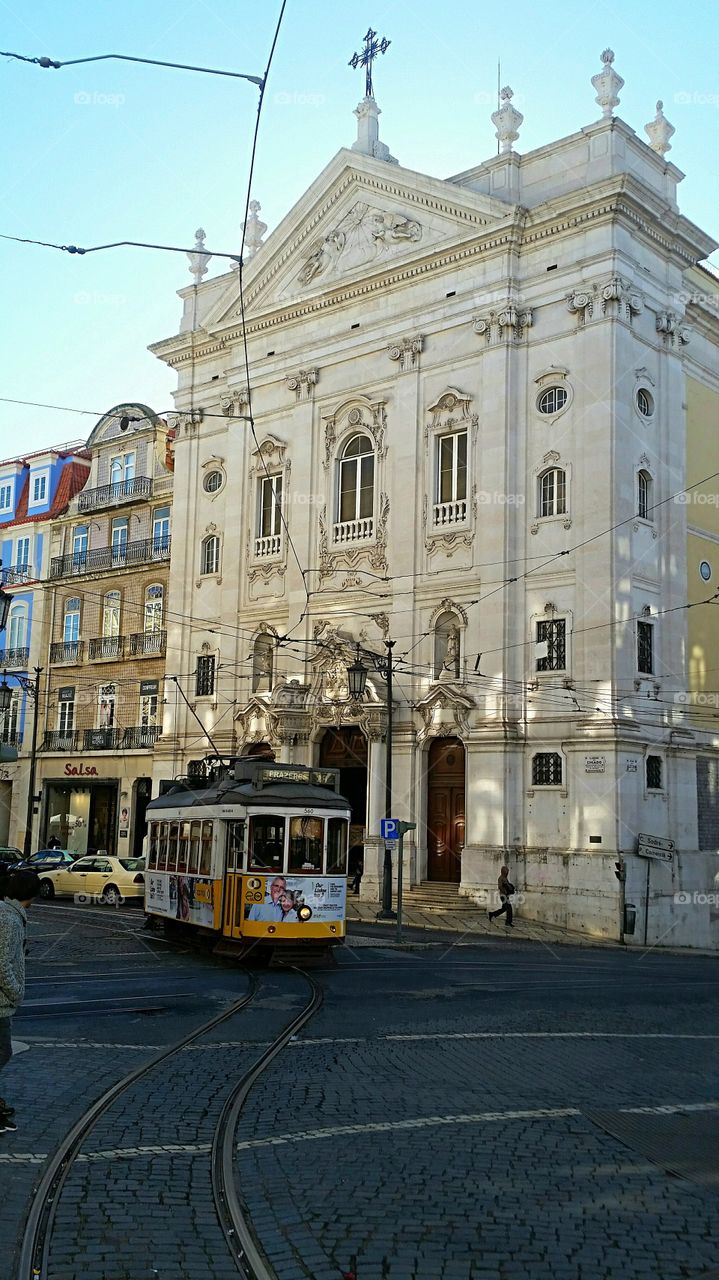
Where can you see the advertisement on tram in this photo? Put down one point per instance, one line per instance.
(291, 900)
(191, 899)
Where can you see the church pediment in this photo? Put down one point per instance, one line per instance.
(358, 219)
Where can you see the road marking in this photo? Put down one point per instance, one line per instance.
(336, 1131)
(481, 1117)
(547, 1035)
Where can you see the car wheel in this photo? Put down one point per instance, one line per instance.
(47, 889)
(111, 895)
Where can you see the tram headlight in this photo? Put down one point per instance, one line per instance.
(304, 913)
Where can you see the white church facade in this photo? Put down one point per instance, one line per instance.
(468, 415)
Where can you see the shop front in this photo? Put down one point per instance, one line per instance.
(79, 811)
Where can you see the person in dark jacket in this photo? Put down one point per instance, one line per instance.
(19, 889)
(506, 889)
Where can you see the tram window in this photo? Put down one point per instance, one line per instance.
(183, 849)
(206, 849)
(172, 832)
(267, 843)
(235, 845)
(305, 844)
(337, 847)
(161, 846)
(195, 836)
(152, 848)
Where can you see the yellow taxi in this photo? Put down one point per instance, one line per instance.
(96, 878)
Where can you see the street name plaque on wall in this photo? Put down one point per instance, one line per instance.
(594, 764)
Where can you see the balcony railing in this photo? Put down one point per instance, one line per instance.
(60, 740)
(118, 557)
(14, 577)
(10, 739)
(269, 546)
(14, 657)
(67, 651)
(353, 531)
(147, 642)
(446, 513)
(91, 499)
(101, 739)
(106, 647)
(142, 735)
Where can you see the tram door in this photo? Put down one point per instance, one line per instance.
(233, 905)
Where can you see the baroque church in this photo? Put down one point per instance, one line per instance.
(470, 403)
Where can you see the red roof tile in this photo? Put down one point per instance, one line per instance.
(73, 478)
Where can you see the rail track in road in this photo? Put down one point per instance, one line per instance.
(35, 1255)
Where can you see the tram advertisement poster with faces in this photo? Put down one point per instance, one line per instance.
(186, 898)
(297, 900)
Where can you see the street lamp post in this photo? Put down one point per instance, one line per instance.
(33, 690)
(357, 680)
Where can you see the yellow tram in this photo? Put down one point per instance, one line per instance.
(250, 852)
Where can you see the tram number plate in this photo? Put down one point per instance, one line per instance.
(309, 810)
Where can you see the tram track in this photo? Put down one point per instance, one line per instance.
(34, 1257)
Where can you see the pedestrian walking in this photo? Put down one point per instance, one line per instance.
(506, 889)
(19, 889)
(357, 879)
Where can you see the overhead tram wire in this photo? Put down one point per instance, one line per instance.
(47, 64)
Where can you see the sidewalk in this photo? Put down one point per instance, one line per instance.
(475, 923)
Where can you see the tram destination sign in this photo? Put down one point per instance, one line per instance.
(305, 777)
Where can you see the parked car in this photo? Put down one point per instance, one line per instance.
(9, 858)
(48, 860)
(105, 879)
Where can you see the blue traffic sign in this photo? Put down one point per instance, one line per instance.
(389, 829)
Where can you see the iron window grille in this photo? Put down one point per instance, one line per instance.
(554, 632)
(547, 769)
(654, 773)
(645, 648)
(205, 676)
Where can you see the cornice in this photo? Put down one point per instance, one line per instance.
(520, 229)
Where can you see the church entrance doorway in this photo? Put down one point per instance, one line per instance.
(346, 749)
(445, 810)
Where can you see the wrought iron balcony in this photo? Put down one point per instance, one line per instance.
(67, 651)
(106, 647)
(118, 557)
(107, 494)
(142, 735)
(147, 642)
(101, 739)
(14, 577)
(60, 740)
(14, 657)
(10, 738)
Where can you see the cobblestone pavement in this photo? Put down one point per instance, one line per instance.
(439, 1119)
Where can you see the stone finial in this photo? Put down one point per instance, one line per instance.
(507, 120)
(252, 231)
(607, 84)
(368, 143)
(659, 131)
(198, 258)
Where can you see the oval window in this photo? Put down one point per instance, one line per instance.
(552, 400)
(705, 570)
(212, 481)
(645, 404)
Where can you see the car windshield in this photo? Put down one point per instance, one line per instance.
(132, 864)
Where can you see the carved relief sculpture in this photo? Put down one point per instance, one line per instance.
(363, 236)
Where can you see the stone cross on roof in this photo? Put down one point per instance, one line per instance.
(372, 48)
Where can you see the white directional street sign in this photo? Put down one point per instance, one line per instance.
(655, 847)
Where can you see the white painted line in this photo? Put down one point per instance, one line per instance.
(335, 1131)
(547, 1035)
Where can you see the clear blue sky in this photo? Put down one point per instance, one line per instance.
(115, 151)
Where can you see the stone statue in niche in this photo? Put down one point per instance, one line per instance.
(262, 666)
(449, 661)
